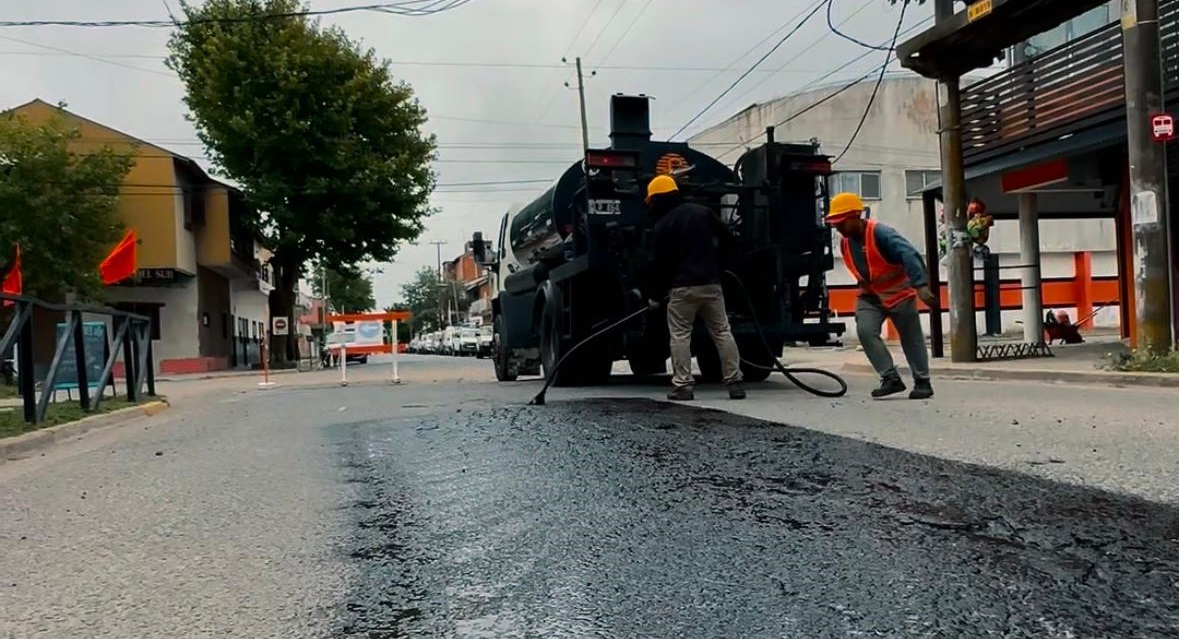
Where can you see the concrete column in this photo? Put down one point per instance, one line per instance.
(1029, 256)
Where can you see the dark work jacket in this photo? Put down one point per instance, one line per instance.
(687, 245)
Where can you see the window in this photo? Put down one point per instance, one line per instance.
(866, 184)
(917, 181)
(1077, 27)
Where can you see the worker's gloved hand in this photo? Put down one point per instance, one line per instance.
(653, 305)
(927, 296)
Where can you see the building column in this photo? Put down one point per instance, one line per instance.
(1029, 257)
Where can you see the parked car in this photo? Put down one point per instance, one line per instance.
(484, 342)
(468, 342)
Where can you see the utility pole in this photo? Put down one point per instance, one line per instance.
(438, 245)
(1148, 175)
(441, 280)
(963, 333)
(581, 100)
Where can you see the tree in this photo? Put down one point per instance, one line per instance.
(348, 290)
(59, 206)
(429, 299)
(315, 130)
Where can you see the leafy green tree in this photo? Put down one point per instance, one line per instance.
(59, 206)
(348, 290)
(320, 136)
(430, 299)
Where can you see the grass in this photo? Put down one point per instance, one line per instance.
(7, 392)
(12, 419)
(1139, 362)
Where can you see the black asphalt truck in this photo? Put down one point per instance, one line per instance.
(574, 260)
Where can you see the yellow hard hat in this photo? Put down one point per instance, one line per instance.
(661, 184)
(843, 206)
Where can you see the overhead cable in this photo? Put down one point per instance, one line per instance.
(836, 31)
(872, 98)
(751, 69)
(404, 8)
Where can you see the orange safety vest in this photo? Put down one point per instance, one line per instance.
(885, 280)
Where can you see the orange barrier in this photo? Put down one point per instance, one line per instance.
(1081, 292)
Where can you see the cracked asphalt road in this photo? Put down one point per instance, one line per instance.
(441, 508)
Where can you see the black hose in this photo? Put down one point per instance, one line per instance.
(539, 399)
(778, 366)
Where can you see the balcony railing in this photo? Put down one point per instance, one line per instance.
(1075, 86)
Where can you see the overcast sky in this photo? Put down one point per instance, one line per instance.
(489, 73)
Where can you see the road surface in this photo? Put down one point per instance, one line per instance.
(450, 508)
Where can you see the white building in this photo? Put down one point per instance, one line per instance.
(893, 158)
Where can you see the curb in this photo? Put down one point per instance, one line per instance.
(12, 448)
(1158, 380)
(197, 377)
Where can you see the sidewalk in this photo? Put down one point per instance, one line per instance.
(1075, 363)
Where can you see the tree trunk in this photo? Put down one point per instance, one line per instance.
(283, 351)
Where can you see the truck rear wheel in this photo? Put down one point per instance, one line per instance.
(586, 367)
(505, 364)
(757, 364)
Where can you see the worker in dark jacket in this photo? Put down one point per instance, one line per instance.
(687, 240)
(892, 276)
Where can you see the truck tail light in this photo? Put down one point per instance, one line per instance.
(817, 167)
(608, 159)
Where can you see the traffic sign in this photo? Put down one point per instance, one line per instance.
(1162, 127)
(280, 326)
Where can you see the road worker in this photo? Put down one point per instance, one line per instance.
(686, 246)
(891, 276)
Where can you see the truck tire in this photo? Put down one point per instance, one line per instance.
(587, 367)
(754, 352)
(505, 364)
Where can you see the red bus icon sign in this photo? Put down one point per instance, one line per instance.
(1162, 127)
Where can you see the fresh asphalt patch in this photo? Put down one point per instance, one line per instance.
(629, 518)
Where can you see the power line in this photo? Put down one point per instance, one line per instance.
(831, 26)
(806, 49)
(404, 8)
(751, 69)
(87, 56)
(554, 90)
(733, 64)
(633, 22)
(872, 98)
(606, 27)
(105, 57)
(803, 90)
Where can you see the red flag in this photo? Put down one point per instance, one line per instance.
(13, 282)
(120, 264)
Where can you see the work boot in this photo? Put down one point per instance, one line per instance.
(922, 389)
(681, 394)
(890, 385)
(736, 391)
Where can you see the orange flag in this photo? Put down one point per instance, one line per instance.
(13, 282)
(121, 263)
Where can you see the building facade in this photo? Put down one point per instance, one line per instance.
(893, 159)
(202, 276)
(475, 283)
(1053, 127)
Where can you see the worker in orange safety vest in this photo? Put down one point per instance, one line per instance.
(891, 276)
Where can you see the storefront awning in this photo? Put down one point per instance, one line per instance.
(1073, 144)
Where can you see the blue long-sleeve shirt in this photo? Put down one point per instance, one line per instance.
(896, 250)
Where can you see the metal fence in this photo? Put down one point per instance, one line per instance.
(92, 361)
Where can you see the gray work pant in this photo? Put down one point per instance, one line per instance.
(870, 316)
(685, 303)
